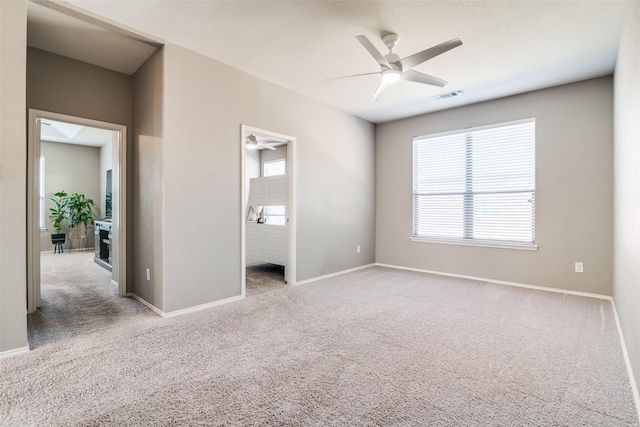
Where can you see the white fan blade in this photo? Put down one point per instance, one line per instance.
(373, 51)
(268, 147)
(414, 76)
(379, 91)
(352, 75)
(420, 57)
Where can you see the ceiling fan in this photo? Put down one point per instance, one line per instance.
(393, 69)
(252, 142)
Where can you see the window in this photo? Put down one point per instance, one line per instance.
(275, 167)
(43, 226)
(476, 186)
(275, 215)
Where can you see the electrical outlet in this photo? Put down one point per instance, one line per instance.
(148, 275)
(579, 267)
(358, 249)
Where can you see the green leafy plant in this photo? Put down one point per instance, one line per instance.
(80, 209)
(59, 210)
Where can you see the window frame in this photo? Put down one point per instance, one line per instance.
(465, 240)
(42, 197)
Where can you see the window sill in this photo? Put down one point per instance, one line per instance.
(43, 229)
(523, 247)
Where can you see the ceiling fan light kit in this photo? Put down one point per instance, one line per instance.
(391, 75)
(393, 69)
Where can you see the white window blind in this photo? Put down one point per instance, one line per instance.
(275, 215)
(42, 194)
(476, 185)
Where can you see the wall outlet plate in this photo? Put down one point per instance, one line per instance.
(579, 267)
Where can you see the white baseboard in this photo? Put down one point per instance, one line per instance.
(337, 273)
(500, 282)
(627, 361)
(114, 283)
(14, 352)
(185, 310)
(146, 304)
(70, 251)
(634, 386)
(202, 306)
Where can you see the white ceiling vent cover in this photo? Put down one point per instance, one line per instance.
(449, 95)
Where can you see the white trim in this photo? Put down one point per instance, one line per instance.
(33, 214)
(70, 251)
(499, 282)
(202, 306)
(480, 243)
(291, 171)
(337, 273)
(474, 128)
(146, 304)
(120, 196)
(14, 352)
(184, 310)
(627, 361)
(115, 283)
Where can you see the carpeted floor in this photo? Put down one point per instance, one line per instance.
(77, 297)
(264, 278)
(375, 347)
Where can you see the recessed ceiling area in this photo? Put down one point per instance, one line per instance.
(69, 133)
(64, 35)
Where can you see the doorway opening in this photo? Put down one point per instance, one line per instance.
(268, 210)
(72, 160)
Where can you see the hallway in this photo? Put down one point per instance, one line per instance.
(77, 297)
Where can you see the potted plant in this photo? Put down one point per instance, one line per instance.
(58, 214)
(80, 211)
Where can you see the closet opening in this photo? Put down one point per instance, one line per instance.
(268, 208)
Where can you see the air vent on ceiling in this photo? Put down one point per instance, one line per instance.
(448, 95)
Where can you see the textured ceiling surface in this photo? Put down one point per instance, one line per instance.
(509, 47)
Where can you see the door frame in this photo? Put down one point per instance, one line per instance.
(119, 183)
(291, 142)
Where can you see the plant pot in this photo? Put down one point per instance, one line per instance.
(57, 239)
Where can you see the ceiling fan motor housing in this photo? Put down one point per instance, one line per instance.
(390, 40)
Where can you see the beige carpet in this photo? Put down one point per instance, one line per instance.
(376, 347)
(264, 278)
(77, 297)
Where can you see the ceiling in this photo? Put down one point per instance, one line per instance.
(68, 36)
(68, 133)
(509, 47)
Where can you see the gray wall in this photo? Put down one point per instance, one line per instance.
(574, 183)
(271, 155)
(13, 155)
(147, 182)
(74, 169)
(252, 169)
(62, 85)
(205, 104)
(626, 288)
